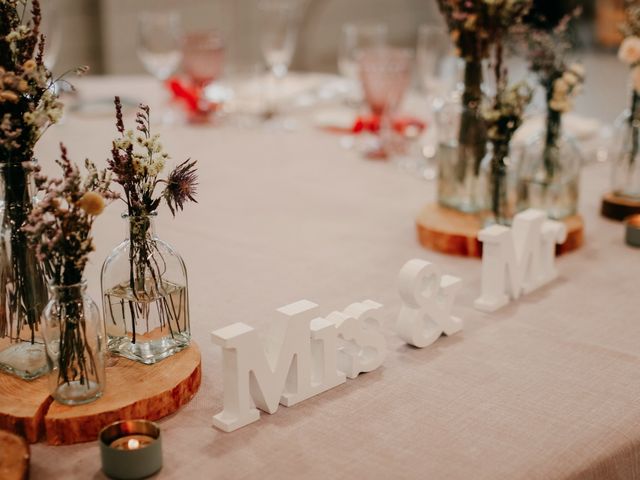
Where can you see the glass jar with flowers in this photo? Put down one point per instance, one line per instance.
(144, 279)
(28, 106)
(474, 26)
(59, 231)
(549, 171)
(499, 167)
(626, 138)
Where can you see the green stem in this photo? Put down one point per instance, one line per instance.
(634, 123)
(472, 136)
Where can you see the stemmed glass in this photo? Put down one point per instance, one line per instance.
(203, 57)
(52, 31)
(159, 39)
(356, 37)
(280, 20)
(385, 74)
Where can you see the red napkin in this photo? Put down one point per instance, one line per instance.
(198, 107)
(371, 123)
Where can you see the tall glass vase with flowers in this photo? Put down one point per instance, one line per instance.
(59, 231)
(28, 106)
(144, 279)
(549, 170)
(474, 27)
(626, 138)
(503, 117)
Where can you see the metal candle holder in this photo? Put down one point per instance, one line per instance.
(142, 459)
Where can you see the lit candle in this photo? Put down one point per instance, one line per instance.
(130, 449)
(632, 225)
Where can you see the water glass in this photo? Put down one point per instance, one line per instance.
(280, 21)
(436, 62)
(159, 42)
(356, 37)
(385, 74)
(202, 57)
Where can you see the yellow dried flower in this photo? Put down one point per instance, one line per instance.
(92, 203)
(8, 96)
(29, 66)
(23, 86)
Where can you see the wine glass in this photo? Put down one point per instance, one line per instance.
(52, 31)
(159, 42)
(354, 38)
(280, 20)
(385, 73)
(202, 57)
(437, 66)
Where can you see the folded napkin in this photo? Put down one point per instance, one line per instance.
(198, 108)
(344, 122)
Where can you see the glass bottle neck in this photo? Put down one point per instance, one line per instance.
(17, 183)
(68, 292)
(139, 227)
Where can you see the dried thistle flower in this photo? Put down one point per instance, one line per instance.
(138, 159)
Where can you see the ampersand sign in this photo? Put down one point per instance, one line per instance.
(427, 298)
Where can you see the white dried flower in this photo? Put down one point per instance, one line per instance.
(629, 51)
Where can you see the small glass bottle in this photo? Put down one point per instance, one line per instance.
(498, 182)
(626, 153)
(145, 296)
(23, 288)
(462, 141)
(74, 338)
(549, 176)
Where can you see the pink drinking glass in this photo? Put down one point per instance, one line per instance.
(385, 73)
(202, 57)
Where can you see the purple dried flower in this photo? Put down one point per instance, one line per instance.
(181, 185)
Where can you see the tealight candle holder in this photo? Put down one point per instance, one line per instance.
(632, 227)
(130, 449)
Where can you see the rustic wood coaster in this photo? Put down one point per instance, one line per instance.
(133, 390)
(618, 208)
(14, 457)
(455, 233)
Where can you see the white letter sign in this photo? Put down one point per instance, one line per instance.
(300, 358)
(519, 259)
(427, 298)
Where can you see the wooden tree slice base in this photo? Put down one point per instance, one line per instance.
(455, 233)
(617, 208)
(133, 390)
(23, 405)
(14, 457)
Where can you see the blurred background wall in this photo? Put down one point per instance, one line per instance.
(102, 33)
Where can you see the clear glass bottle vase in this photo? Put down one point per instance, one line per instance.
(498, 183)
(462, 145)
(549, 172)
(145, 296)
(626, 153)
(75, 344)
(23, 288)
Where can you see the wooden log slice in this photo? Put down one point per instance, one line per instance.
(23, 405)
(133, 391)
(455, 233)
(617, 208)
(14, 457)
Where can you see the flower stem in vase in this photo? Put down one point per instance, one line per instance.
(552, 137)
(472, 136)
(499, 180)
(634, 123)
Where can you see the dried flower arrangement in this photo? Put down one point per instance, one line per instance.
(629, 53)
(476, 26)
(547, 52)
(59, 231)
(28, 106)
(137, 161)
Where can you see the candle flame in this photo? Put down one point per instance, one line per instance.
(133, 443)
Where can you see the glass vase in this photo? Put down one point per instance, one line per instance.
(75, 343)
(462, 145)
(23, 289)
(549, 172)
(145, 296)
(626, 153)
(499, 185)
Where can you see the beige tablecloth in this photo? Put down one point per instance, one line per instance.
(546, 388)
